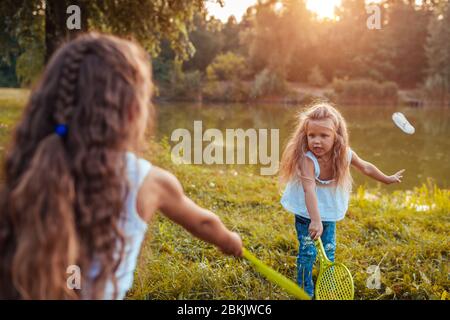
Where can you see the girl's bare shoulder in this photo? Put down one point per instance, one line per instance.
(157, 188)
(307, 165)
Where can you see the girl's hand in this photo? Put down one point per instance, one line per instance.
(397, 177)
(315, 229)
(233, 246)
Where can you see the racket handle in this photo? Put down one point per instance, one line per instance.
(275, 277)
(321, 251)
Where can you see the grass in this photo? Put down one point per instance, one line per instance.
(405, 233)
(11, 103)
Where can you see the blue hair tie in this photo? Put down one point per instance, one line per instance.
(61, 130)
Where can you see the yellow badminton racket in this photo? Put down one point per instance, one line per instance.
(335, 281)
(276, 277)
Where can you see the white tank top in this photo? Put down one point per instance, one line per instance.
(133, 226)
(332, 202)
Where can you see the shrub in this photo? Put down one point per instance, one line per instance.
(365, 91)
(227, 66)
(224, 76)
(231, 91)
(316, 78)
(389, 90)
(437, 88)
(267, 83)
(185, 85)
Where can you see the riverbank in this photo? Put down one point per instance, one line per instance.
(296, 94)
(339, 92)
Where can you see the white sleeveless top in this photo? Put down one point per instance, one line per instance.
(133, 226)
(332, 202)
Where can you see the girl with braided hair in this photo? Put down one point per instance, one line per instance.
(74, 193)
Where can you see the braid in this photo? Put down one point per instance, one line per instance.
(66, 95)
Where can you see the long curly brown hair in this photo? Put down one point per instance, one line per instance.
(62, 199)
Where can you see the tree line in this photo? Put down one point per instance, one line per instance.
(197, 56)
(270, 47)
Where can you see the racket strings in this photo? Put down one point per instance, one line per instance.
(335, 283)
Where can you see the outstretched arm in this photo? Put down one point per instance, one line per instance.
(372, 171)
(164, 192)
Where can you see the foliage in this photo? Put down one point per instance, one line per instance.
(30, 62)
(267, 83)
(184, 85)
(272, 49)
(22, 38)
(228, 91)
(365, 91)
(316, 78)
(402, 44)
(208, 39)
(437, 84)
(226, 66)
(224, 79)
(411, 49)
(437, 88)
(148, 21)
(8, 75)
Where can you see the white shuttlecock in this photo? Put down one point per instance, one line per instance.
(401, 122)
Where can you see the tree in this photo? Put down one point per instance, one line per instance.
(230, 34)
(148, 21)
(277, 36)
(405, 37)
(22, 44)
(438, 54)
(56, 17)
(353, 43)
(207, 39)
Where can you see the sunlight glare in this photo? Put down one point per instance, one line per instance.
(323, 8)
(278, 6)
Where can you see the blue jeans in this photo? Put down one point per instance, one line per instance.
(307, 250)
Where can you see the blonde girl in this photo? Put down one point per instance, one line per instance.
(315, 167)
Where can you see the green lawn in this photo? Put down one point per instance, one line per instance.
(405, 232)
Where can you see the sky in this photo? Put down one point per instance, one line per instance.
(323, 8)
(232, 7)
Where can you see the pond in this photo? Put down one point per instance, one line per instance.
(373, 135)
